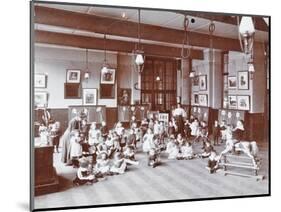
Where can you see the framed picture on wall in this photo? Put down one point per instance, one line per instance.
(124, 96)
(89, 96)
(195, 81)
(243, 80)
(40, 81)
(243, 102)
(203, 99)
(232, 82)
(73, 76)
(195, 99)
(107, 76)
(40, 99)
(232, 102)
(203, 82)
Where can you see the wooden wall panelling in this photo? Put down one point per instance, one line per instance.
(112, 116)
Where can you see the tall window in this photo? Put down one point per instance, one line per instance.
(158, 83)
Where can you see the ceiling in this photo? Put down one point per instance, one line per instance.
(166, 19)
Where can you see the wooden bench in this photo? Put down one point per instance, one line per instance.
(235, 161)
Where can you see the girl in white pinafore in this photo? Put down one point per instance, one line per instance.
(75, 148)
(148, 142)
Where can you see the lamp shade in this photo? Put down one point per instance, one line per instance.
(86, 75)
(139, 59)
(192, 74)
(246, 26)
(104, 68)
(158, 78)
(251, 68)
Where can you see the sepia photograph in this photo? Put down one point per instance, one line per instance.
(134, 105)
(232, 82)
(89, 96)
(73, 76)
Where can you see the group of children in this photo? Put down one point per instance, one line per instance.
(98, 151)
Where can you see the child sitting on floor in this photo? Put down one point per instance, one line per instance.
(208, 148)
(129, 153)
(102, 167)
(171, 129)
(172, 150)
(131, 139)
(84, 175)
(148, 141)
(180, 141)
(186, 151)
(104, 129)
(119, 129)
(151, 124)
(153, 158)
(213, 162)
(119, 164)
(144, 126)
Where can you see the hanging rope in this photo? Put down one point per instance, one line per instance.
(185, 52)
(104, 46)
(212, 28)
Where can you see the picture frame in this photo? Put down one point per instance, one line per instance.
(40, 99)
(89, 96)
(73, 76)
(107, 76)
(203, 82)
(232, 82)
(243, 80)
(203, 100)
(195, 81)
(195, 99)
(232, 102)
(243, 102)
(40, 81)
(124, 96)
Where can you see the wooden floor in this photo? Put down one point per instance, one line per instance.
(172, 180)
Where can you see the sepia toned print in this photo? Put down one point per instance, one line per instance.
(140, 105)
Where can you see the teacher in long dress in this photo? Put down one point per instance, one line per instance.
(74, 124)
(179, 114)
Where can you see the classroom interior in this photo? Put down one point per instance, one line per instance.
(115, 63)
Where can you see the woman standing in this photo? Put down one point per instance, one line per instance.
(179, 114)
(74, 124)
